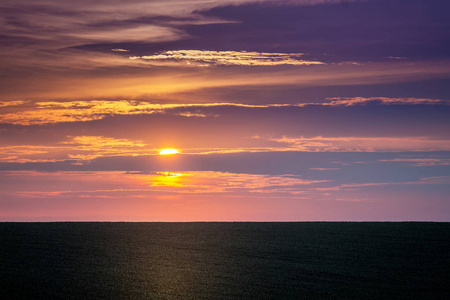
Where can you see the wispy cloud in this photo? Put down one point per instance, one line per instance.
(435, 180)
(49, 28)
(83, 148)
(426, 180)
(142, 33)
(383, 100)
(26, 153)
(138, 79)
(239, 58)
(90, 147)
(219, 182)
(28, 113)
(168, 182)
(397, 57)
(74, 111)
(13, 103)
(364, 144)
(421, 162)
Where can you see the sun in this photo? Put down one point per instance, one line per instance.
(168, 151)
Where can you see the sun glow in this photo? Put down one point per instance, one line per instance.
(168, 151)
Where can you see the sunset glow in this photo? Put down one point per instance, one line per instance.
(275, 110)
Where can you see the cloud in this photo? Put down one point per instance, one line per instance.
(421, 162)
(40, 34)
(76, 148)
(84, 149)
(26, 153)
(397, 57)
(110, 75)
(227, 58)
(159, 182)
(105, 128)
(142, 33)
(352, 187)
(75, 111)
(311, 176)
(219, 182)
(55, 47)
(13, 103)
(37, 113)
(118, 196)
(90, 147)
(193, 114)
(364, 144)
(426, 180)
(383, 100)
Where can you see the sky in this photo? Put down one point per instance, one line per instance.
(294, 110)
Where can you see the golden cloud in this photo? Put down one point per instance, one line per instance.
(76, 148)
(48, 112)
(228, 58)
(75, 111)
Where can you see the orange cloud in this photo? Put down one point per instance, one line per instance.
(48, 112)
(76, 148)
(73, 111)
(90, 147)
(12, 103)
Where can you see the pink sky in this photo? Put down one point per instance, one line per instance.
(306, 111)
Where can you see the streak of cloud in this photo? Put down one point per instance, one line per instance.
(227, 58)
(75, 148)
(75, 111)
(12, 103)
(427, 180)
(113, 76)
(365, 144)
(169, 182)
(37, 113)
(421, 162)
(383, 100)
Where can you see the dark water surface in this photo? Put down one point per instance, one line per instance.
(225, 260)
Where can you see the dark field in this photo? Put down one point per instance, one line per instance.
(225, 260)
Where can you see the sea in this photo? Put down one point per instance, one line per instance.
(221, 260)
